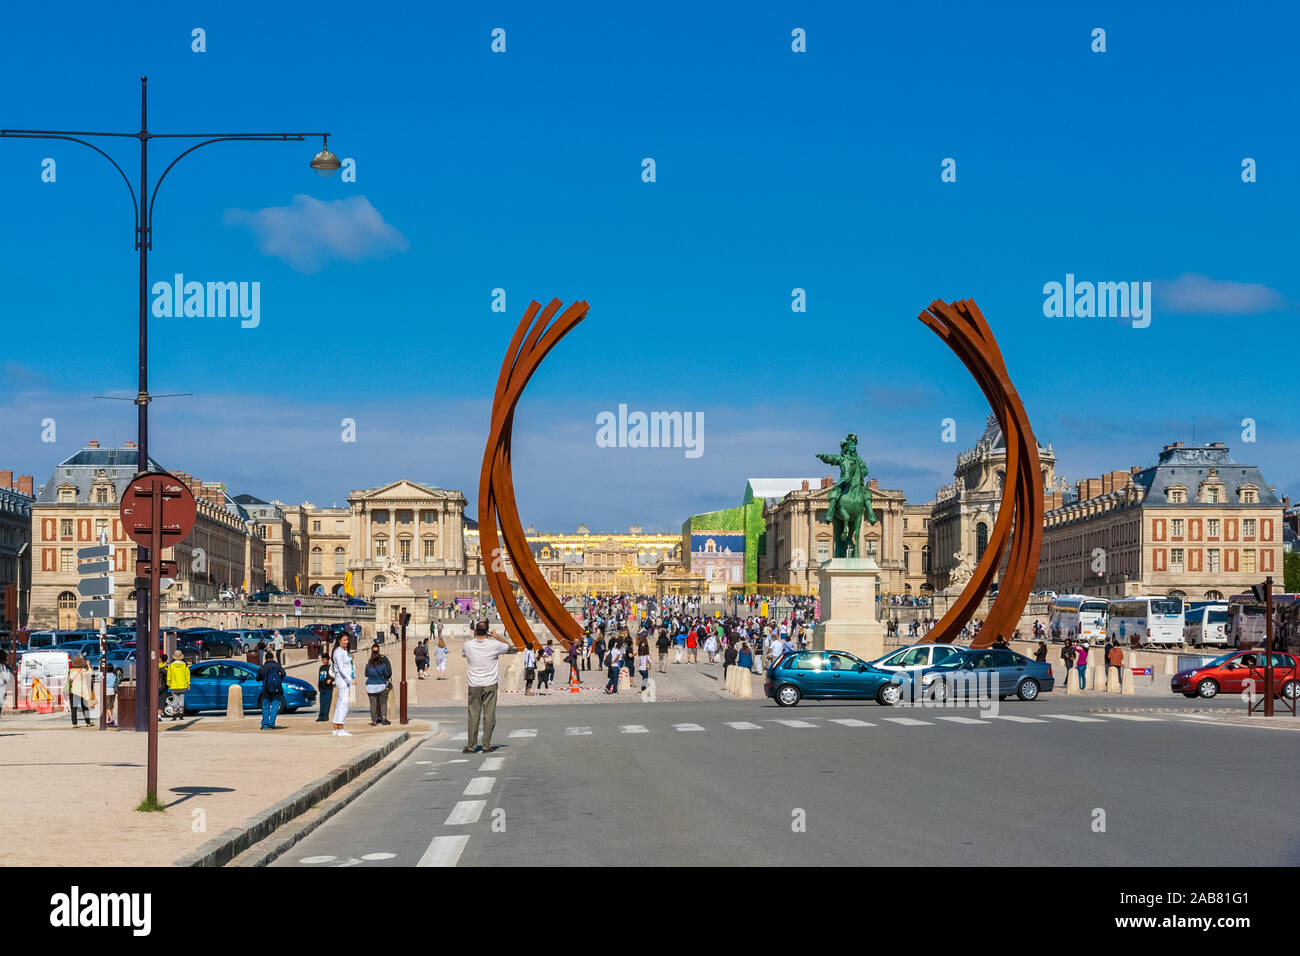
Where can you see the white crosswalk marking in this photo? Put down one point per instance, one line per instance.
(965, 720)
(463, 735)
(467, 811)
(1016, 719)
(909, 722)
(793, 723)
(633, 729)
(492, 763)
(687, 728)
(742, 725)
(523, 733)
(1076, 717)
(850, 722)
(1131, 717)
(479, 786)
(444, 851)
(577, 731)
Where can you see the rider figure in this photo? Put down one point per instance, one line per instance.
(850, 475)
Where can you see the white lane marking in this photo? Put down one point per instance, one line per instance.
(309, 860)
(964, 720)
(449, 750)
(492, 763)
(522, 733)
(479, 786)
(1196, 717)
(909, 722)
(444, 851)
(463, 735)
(577, 731)
(459, 760)
(850, 722)
(1015, 719)
(1131, 717)
(467, 811)
(378, 856)
(742, 725)
(1076, 717)
(687, 728)
(421, 763)
(793, 723)
(633, 729)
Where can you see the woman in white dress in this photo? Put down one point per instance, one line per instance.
(344, 673)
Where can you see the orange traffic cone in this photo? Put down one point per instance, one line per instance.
(574, 684)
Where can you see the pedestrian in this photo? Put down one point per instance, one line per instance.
(679, 643)
(543, 676)
(1040, 655)
(692, 646)
(1001, 643)
(440, 658)
(662, 645)
(112, 677)
(613, 666)
(745, 658)
(482, 675)
(572, 657)
(421, 658)
(80, 688)
(530, 668)
(324, 689)
(379, 681)
(178, 682)
(6, 677)
(343, 671)
(1067, 657)
(548, 657)
(728, 659)
(1081, 662)
(643, 662)
(271, 676)
(1115, 659)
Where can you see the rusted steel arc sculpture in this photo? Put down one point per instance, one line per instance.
(531, 343)
(963, 327)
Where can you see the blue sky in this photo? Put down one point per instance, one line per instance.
(775, 170)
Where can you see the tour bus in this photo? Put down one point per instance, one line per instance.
(1146, 619)
(1246, 627)
(1078, 617)
(1205, 622)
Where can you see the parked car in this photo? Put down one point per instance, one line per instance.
(210, 683)
(210, 641)
(356, 602)
(122, 659)
(917, 657)
(825, 675)
(1229, 674)
(984, 672)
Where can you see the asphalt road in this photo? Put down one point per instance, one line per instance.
(636, 784)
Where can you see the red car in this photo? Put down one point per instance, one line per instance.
(1228, 674)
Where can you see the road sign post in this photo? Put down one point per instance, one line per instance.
(157, 511)
(401, 705)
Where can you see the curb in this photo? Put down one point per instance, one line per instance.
(222, 849)
(297, 830)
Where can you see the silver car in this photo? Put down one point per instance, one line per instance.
(915, 657)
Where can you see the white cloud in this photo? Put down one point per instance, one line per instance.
(310, 234)
(1193, 294)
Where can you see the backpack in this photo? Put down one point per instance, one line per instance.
(272, 684)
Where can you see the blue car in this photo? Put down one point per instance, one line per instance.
(210, 683)
(984, 672)
(829, 675)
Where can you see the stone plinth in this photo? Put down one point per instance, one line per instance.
(389, 600)
(848, 589)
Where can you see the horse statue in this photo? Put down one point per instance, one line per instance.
(850, 498)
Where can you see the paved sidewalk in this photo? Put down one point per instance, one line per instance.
(70, 795)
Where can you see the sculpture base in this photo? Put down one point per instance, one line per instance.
(389, 601)
(847, 588)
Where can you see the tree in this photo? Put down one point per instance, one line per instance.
(1291, 572)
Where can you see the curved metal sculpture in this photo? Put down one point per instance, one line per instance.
(960, 324)
(963, 327)
(496, 490)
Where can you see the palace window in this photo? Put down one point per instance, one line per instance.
(1212, 560)
(66, 561)
(1248, 527)
(101, 527)
(340, 561)
(338, 525)
(1212, 495)
(925, 559)
(430, 549)
(1175, 527)
(823, 551)
(315, 561)
(1212, 527)
(1248, 561)
(315, 526)
(381, 547)
(101, 495)
(1249, 496)
(67, 600)
(65, 528)
(1176, 560)
(404, 550)
(1178, 496)
(907, 557)
(981, 539)
(67, 495)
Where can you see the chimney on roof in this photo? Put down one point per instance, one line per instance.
(24, 486)
(6, 479)
(1134, 469)
(827, 481)
(805, 484)
(872, 483)
(92, 444)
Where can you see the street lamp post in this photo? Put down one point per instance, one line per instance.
(324, 163)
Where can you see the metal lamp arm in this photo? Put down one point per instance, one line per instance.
(24, 134)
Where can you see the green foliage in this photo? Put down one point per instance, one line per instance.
(1291, 572)
(150, 805)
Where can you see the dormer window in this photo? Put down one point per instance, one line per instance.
(1212, 490)
(67, 494)
(1248, 494)
(1177, 494)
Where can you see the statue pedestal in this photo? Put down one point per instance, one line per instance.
(389, 600)
(848, 604)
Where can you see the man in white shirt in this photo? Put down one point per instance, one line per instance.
(481, 669)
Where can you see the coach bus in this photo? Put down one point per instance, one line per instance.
(1078, 617)
(1246, 626)
(1154, 619)
(1205, 623)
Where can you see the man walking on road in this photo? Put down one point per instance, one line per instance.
(482, 674)
(662, 644)
(271, 676)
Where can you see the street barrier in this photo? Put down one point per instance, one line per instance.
(234, 702)
(1128, 687)
(1071, 680)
